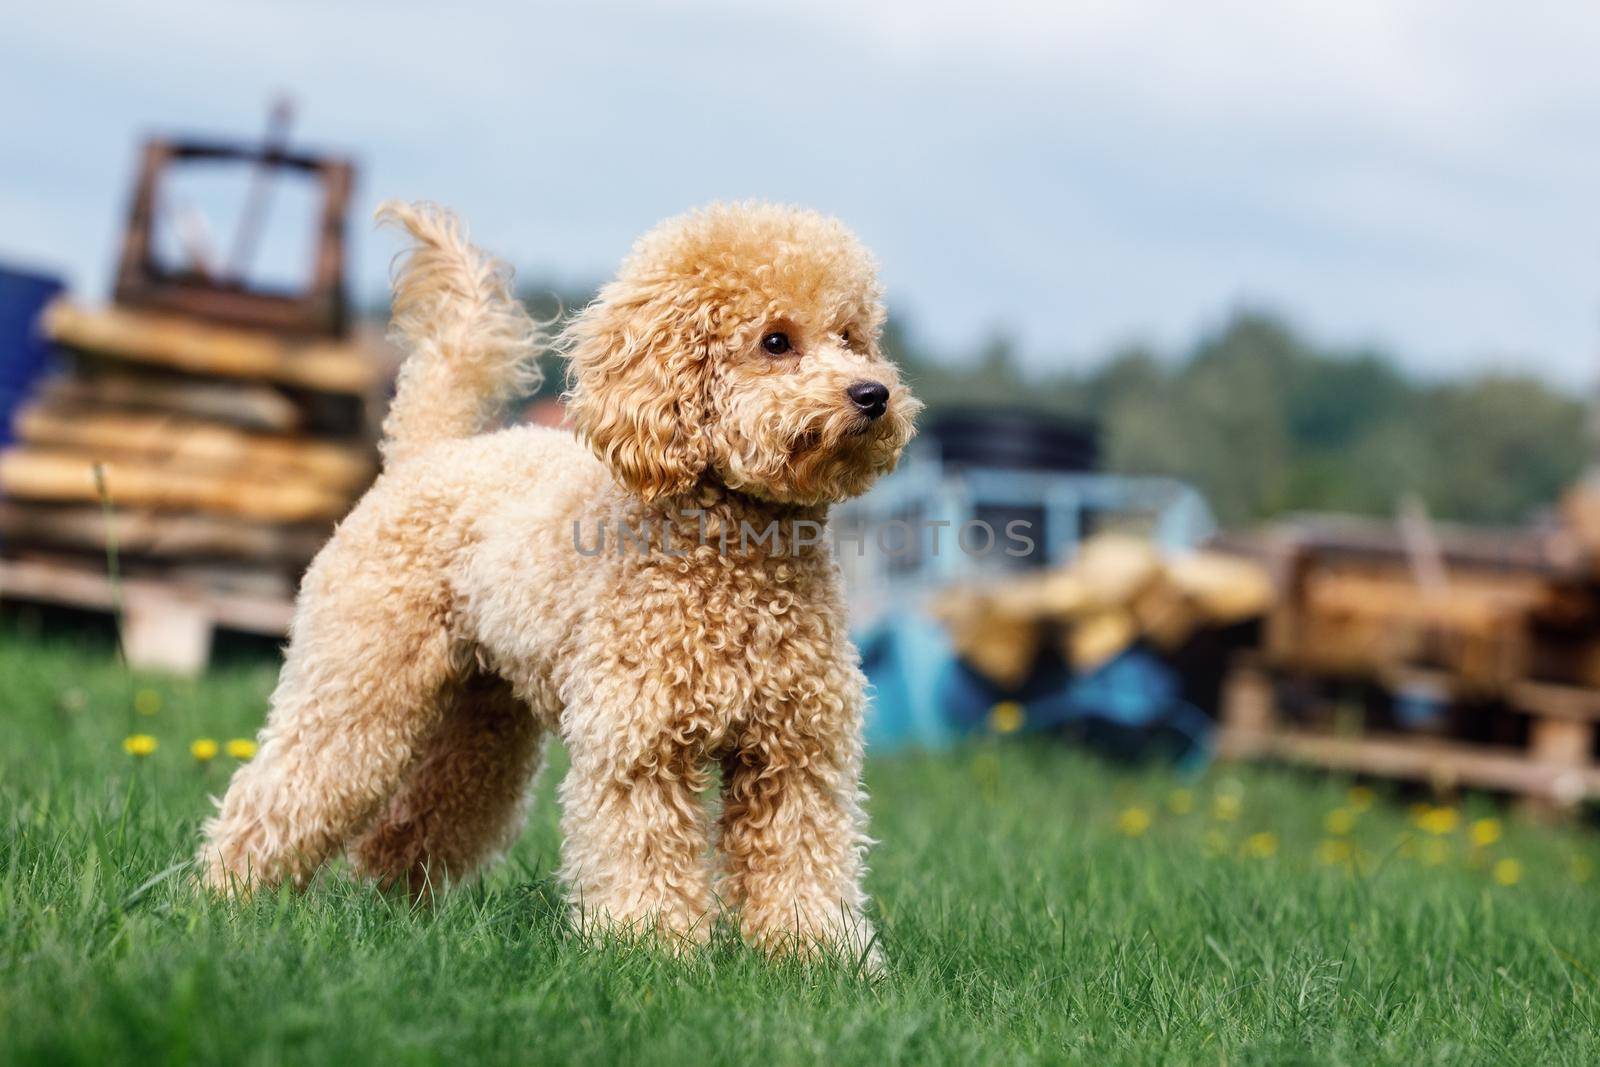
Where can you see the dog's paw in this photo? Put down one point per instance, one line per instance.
(216, 877)
(847, 939)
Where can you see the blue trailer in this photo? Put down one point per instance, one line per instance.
(1026, 489)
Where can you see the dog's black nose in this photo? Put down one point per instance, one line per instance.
(872, 398)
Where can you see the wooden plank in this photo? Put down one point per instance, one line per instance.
(1249, 709)
(56, 583)
(1539, 699)
(1378, 542)
(1441, 763)
(193, 443)
(1556, 701)
(31, 473)
(1581, 511)
(1562, 742)
(167, 634)
(186, 344)
(1565, 747)
(159, 535)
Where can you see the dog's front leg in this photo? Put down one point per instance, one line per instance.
(635, 851)
(794, 840)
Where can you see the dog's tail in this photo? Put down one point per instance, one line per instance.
(470, 344)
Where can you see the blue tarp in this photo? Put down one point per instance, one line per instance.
(1131, 706)
(23, 350)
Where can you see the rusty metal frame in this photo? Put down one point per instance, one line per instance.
(318, 309)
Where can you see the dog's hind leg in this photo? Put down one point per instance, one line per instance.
(358, 694)
(463, 801)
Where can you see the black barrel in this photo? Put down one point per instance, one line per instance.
(1014, 439)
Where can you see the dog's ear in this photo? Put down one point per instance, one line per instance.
(636, 370)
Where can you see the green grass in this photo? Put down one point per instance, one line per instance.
(1020, 922)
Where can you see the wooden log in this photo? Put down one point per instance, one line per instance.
(1224, 589)
(193, 444)
(1464, 606)
(31, 473)
(248, 405)
(205, 348)
(1116, 568)
(233, 579)
(1167, 616)
(160, 536)
(1096, 638)
(990, 636)
(1374, 623)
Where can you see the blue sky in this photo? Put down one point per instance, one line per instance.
(1421, 176)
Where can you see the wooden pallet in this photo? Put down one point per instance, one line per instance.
(1555, 771)
(165, 625)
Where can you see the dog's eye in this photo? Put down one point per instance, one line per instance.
(776, 343)
(844, 335)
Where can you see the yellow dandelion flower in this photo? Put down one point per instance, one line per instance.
(1225, 807)
(1332, 852)
(1339, 821)
(1261, 846)
(147, 702)
(1485, 832)
(1437, 821)
(203, 749)
(1581, 869)
(240, 748)
(1180, 802)
(1435, 853)
(1508, 872)
(1133, 822)
(139, 744)
(1359, 798)
(1007, 717)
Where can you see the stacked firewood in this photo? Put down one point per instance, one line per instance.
(196, 449)
(1118, 590)
(1450, 655)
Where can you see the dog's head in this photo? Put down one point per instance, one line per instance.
(740, 342)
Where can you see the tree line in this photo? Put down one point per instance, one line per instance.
(1264, 420)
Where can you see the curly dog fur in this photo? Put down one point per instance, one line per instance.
(457, 617)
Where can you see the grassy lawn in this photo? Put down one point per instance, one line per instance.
(1034, 904)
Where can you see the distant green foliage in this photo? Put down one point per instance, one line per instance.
(1265, 421)
(551, 304)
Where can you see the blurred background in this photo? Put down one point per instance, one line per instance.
(1277, 325)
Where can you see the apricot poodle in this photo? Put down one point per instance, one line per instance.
(623, 588)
